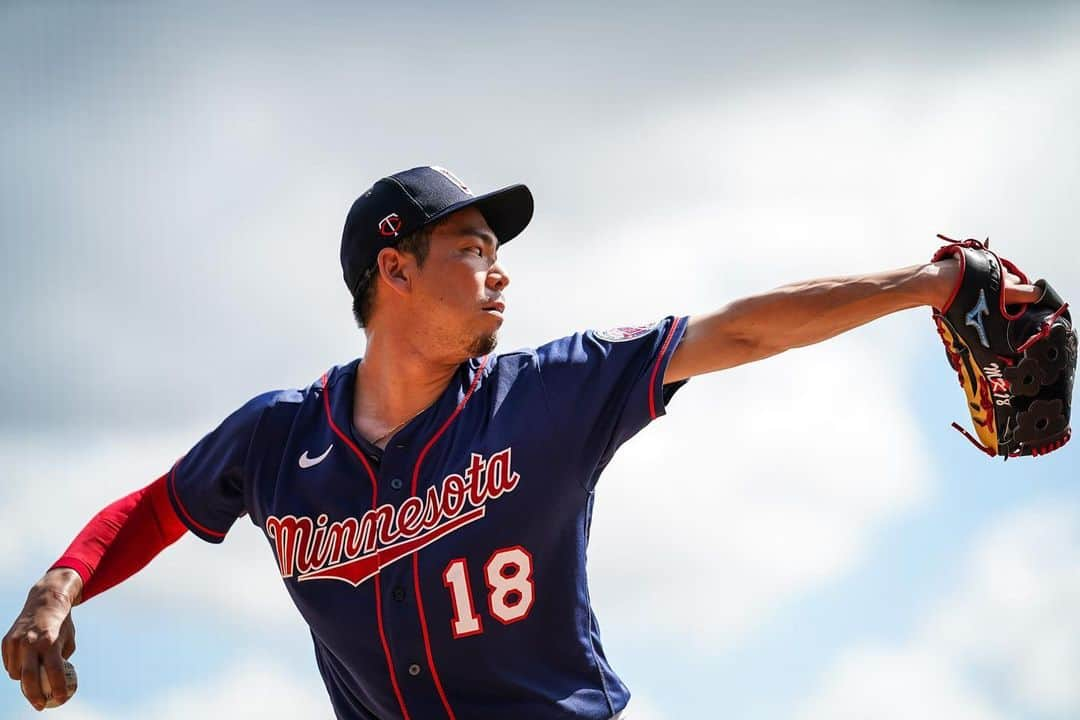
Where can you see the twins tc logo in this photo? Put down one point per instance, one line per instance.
(353, 550)
(390, 225)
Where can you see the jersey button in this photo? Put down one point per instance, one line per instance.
(414, 669)
(396, 483)
(398, 594)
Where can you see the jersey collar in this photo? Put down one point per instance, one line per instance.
(340, 381)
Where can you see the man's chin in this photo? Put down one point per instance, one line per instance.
(483, 344)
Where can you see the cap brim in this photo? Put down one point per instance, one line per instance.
(507, 211)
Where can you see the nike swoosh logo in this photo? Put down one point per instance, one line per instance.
(306, 462)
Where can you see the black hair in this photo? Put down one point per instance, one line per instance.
(416, 244)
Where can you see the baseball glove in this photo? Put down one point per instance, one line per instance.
(1016, 363)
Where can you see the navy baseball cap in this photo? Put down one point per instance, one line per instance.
(402, 203)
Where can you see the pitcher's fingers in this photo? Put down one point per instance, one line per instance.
(54, 670)
(31, 676)
(69, 647)
(1018, 294)
(9, 662)
(12, 658)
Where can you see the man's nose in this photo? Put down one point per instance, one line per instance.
(497, 278)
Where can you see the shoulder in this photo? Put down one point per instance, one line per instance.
(336, 377)
(275, 398)
(282, 400)
(288, 402)
(503, 369)
(599, 344)
(522, 357)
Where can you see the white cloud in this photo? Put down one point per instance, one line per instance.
(1015, 618)
(897, 685)
(58, 483)
(840, 173)
(1006, 643)
(643, 708)
(252, 689)
(768, 481)
(762, 483)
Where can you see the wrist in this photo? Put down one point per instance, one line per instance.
(939, 282)
(62, 583)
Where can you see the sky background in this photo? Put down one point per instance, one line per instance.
(803, 538)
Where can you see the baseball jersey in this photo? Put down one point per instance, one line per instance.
(443, 577)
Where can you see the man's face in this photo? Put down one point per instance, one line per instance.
(459, 289)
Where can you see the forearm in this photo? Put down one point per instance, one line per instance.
(122, 539)
(808, 312)
(804, 313)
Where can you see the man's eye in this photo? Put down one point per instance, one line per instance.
(479, 250)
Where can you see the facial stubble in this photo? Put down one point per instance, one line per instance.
(483, 344)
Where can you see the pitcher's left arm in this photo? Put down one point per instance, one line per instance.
(804, 313)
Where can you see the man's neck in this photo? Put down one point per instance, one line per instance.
(395, 383)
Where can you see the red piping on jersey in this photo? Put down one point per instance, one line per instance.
(180, 504)
(416, 556)
(656, 368)
(374, 503)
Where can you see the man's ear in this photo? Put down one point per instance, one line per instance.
(397, 269)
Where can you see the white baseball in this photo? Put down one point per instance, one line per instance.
(70, 678)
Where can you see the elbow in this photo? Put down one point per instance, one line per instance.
(756, 345)
(738, 347)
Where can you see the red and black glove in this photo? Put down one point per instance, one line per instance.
(1016, 363)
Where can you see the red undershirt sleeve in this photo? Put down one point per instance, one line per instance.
(123, 538)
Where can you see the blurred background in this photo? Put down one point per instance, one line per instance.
(803, 538)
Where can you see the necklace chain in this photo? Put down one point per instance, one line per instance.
(394, 429)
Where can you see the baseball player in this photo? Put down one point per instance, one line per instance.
(428, 506)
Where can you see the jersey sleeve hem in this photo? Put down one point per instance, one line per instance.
(657, 402)
(208, 534)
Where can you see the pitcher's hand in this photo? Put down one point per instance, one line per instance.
(946, 274)
(44, 635)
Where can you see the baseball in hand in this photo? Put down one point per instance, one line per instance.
(69, 676)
